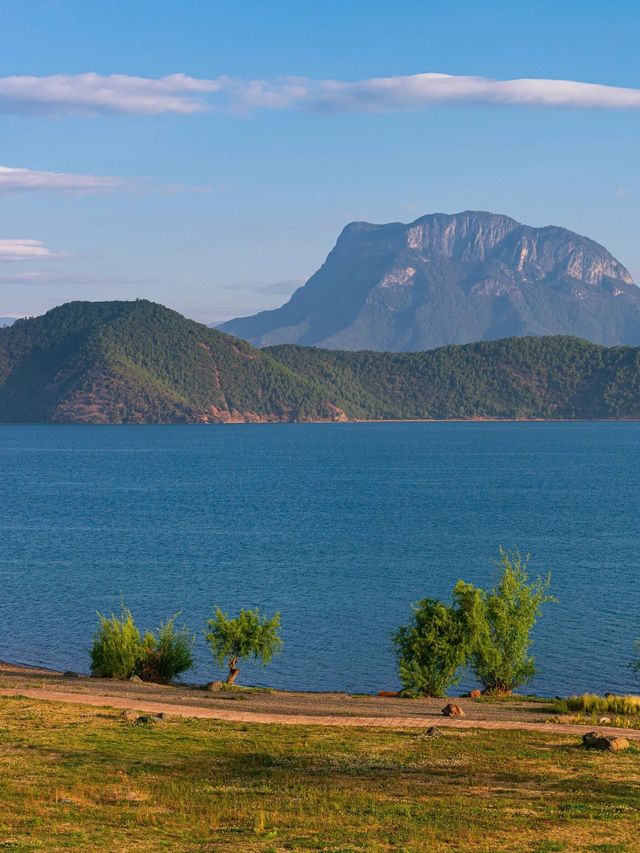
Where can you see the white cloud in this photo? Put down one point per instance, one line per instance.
(179, 93)
(31, 180)
(26, 250)
(423, 90)
(92, 93)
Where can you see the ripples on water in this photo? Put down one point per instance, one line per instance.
(339, 526)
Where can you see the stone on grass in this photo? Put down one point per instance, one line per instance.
(605, 721)
(432, 731)
(149, 719)
(135, 679)
(596, 740)
(453, 710)
(214, 686)
(129, 715)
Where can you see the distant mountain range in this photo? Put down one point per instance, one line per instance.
(138, 362)
(453, 279)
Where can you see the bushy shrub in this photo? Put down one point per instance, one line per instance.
(431, 649)
(119, 650)
(499, 623)
(117, 646)
(489, 629)
(167, 654)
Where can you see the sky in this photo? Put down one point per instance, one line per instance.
(207, 153)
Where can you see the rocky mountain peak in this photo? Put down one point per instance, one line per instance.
(454, 278)
(467, 236)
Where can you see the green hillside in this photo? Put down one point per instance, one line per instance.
(138, 362)
(119, 362)
(547, 377)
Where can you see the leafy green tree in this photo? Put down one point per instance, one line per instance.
(168, 653)
(432, 648)
(117, 648)
(247, 635)
(499, 623)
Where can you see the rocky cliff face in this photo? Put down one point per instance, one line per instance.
(454, 279)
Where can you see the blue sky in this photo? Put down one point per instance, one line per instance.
(217, 195)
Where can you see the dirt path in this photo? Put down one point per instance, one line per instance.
(412, 722)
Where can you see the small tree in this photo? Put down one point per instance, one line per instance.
(431, 649)
(117, 647)
(168, 653)
(247, 635)
(499, 623)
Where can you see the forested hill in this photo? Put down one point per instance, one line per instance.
(138, 362)
(549, 377)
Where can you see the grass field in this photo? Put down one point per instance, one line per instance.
(74, 778)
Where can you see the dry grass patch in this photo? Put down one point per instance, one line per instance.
(82, 779)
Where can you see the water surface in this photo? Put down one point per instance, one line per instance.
(339, 526)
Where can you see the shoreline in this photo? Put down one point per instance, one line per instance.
(283, 708)
(20, 669)
(348, 421)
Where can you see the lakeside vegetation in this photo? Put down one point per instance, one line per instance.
(488, 629)
(138, 362)
(248, 635)
(120, 651)
(485, 630)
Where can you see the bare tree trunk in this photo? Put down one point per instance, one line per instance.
(233, 671)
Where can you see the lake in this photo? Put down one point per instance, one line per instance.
(339, 526)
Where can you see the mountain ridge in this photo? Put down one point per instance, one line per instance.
(453, 279)
(139, 362)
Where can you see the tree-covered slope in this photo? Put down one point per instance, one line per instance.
(138, 362)
(115, 362)
(549, 377)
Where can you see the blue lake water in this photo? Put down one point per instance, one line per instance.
(339, 526)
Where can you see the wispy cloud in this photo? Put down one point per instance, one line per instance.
(424, 90)
(27, 250)
(19, 180)
(42, 277)
(93, 93)
(30, 180)
(272, 288)
(179, 93)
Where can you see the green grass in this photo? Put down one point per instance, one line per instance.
(74, 778)
(242, 689)
(511, 698)
(591, 703)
